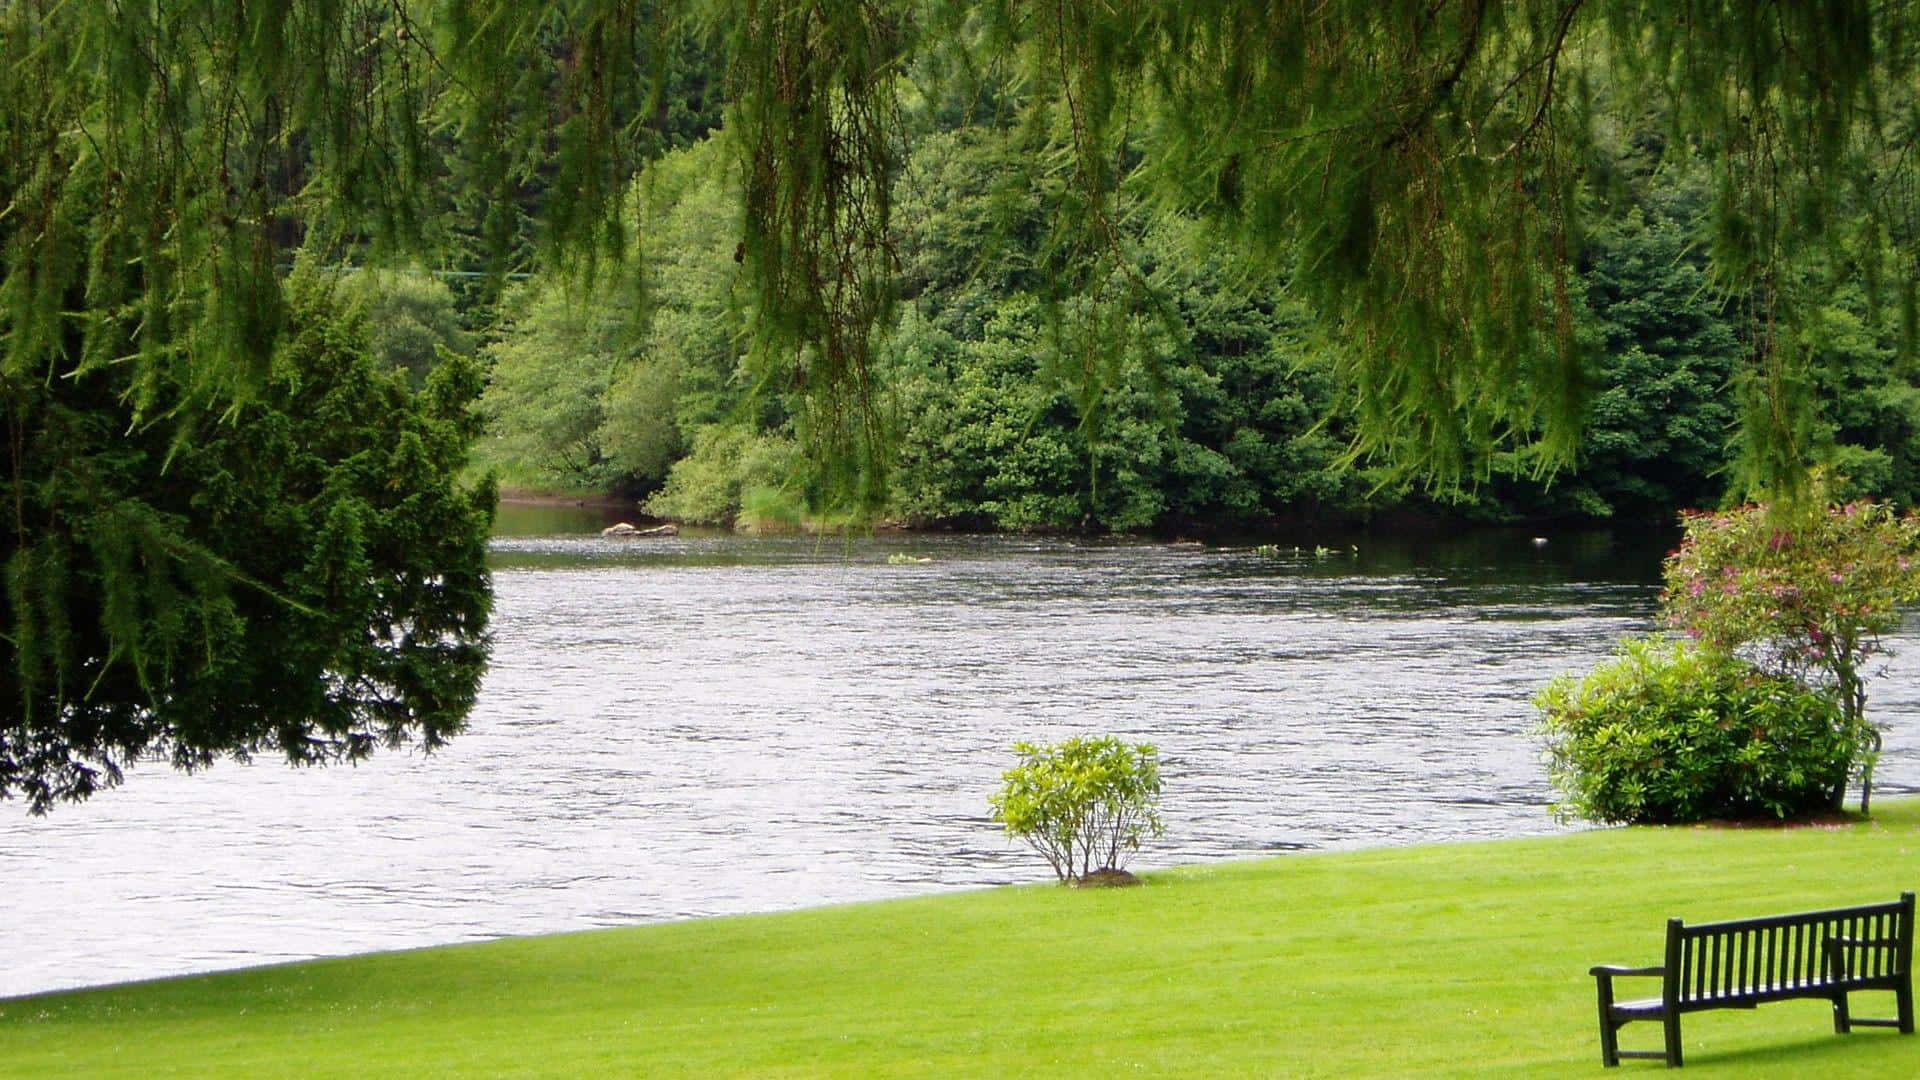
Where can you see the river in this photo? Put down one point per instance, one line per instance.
(710, 724)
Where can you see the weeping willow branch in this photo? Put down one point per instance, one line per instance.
(815, 117)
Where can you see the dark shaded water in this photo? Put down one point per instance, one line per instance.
(712, 724)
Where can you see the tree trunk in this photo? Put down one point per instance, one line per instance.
(1866, 738)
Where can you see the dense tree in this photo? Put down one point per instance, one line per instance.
(1414, 168)
(1017, 406)
(1664, 354)
(1414, 163)
(1659, 347)
(606, 383)
(301, 573)
(1870, 405)
(1172, 383)
(551, 370)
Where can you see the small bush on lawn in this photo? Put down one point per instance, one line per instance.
(1671, 732)
(1083, 804)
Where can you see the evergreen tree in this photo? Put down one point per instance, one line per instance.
(301, 572)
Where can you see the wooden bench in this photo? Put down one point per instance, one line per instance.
(1748, 962)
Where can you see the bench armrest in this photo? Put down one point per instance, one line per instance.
(1615, 969)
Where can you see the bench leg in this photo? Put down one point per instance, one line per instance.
(1609, 1031)
(1672, 1025)
(1842, 1017)
(1609, 1042)
(1904, 996)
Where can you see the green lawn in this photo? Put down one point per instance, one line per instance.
(1451, 959)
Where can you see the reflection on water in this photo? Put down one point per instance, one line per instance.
(555, 517)
(707, 724)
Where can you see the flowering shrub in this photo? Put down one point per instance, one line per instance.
(1670, 731)
(1805, 597)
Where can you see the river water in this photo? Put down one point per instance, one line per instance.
(708, 725)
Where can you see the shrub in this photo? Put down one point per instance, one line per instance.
(732, 469)
(1083, 804)
(1673, 732)
(1805, 595)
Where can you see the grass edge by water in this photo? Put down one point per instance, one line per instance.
(1461, 958)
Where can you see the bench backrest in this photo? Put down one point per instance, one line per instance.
(1781, 955)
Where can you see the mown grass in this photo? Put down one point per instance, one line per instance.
(1453, 959)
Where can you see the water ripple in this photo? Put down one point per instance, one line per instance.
(704, 725)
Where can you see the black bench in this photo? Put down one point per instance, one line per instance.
(1749, 962)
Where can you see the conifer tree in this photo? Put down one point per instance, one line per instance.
(227, 529)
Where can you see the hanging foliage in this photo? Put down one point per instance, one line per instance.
(814, 117)
(1410, 166)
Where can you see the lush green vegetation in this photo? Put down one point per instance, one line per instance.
(1084, 803)
(1761, 708)
(304, 574)
(1445, 960)
(1674, 732)
(1807, 596)
(1181, 390)
(1458, 197)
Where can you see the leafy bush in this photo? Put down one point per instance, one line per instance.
(1083, 804)
(1674, 732)
(1806, 595)
(733, 472)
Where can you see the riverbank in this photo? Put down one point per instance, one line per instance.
(522, 496)
(1445, 959)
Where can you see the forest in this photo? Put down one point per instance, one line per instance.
(1175, 387)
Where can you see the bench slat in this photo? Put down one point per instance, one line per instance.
(1725, 959)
